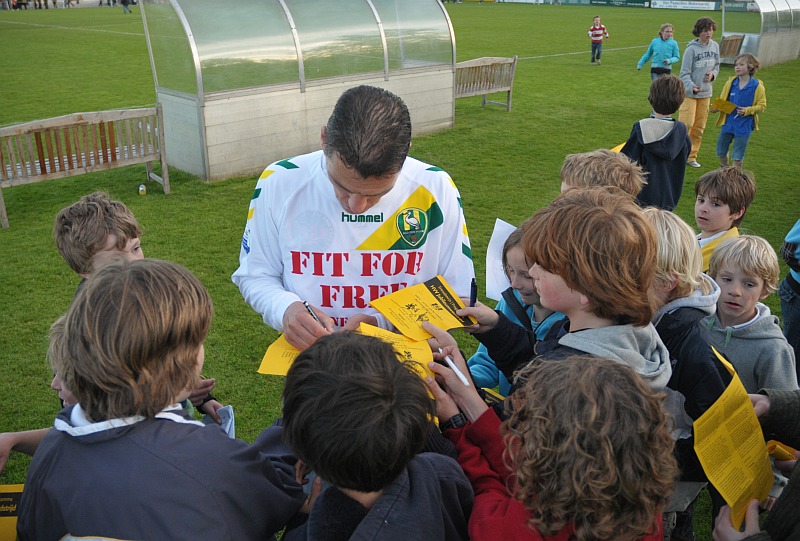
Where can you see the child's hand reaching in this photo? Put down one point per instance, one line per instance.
(723, 527)
(450, 393)
(487, 318)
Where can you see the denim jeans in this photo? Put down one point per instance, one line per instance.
(739, 145)
(790, 311)
(597, 48)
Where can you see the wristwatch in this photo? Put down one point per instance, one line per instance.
(456, 421)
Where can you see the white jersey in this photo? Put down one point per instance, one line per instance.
(299, 244)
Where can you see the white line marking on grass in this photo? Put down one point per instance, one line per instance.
(87, 29)
(588, 51)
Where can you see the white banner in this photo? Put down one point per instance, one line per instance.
(683, 4)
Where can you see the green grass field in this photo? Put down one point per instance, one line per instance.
(505, 164)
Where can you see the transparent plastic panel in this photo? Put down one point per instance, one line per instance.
(784, 15)
(171, 53)
(242, 44)
(742, 22)
(795, 7)
(337, 37)
(769, 16)
(417, 33)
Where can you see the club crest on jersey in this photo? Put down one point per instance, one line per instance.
(412, 224)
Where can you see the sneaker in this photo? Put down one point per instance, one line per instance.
(598, 62)
(693, 163)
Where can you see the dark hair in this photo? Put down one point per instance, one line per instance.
(703, 24)
(370, 131)
(353, 412)
(666, 94)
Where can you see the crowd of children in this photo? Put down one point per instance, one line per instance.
(609, 322)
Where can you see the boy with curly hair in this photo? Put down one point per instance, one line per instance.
(560, 468)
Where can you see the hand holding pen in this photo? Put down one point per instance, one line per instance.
(302, 324)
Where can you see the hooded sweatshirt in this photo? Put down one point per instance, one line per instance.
(697, 374)
(168, 477)
(699, 59)
(638, 347)
(757, 350)
(661, 146)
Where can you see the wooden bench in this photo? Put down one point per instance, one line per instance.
(731, 45)
(486, 75)
(81, 143)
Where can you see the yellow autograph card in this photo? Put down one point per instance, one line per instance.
(723, 105)
(409, 350)
(278, 358)
(433, 301)
(730, 446)
(280, 354)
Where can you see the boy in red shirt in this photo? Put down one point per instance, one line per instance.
(596, 34)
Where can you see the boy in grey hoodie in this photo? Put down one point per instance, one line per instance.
(746, 269)
(699, 69)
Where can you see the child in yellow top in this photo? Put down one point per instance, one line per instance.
(750, 98)
(722, 198)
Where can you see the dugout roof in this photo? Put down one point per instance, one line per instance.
(202, 47)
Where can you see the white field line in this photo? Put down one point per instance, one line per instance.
(587, 51)
(84, 28)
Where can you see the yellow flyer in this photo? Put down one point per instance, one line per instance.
(723, 105)
(280, 354)
(278, 358)
(417, 352)
(433, 301)
(731, 448)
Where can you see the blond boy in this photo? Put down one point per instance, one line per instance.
(746, 269)
(722, 197)
(602, 168)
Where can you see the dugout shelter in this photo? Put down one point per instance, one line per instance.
(772, 33)
(245, 83)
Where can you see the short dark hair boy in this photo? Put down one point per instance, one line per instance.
(661, 145)
(358, 417)
(666, 94)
